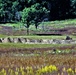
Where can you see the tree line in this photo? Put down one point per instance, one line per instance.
(11, 10)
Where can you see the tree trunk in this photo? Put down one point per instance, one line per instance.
(36, 26)
(27, 31)
(27, 28)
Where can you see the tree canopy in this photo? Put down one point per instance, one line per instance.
(10, 10)
(34, 15)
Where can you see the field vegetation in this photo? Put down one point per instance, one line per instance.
(54, 24)
(20, 45)
(63, 37)
(33, 19)
(50, 27)
(37, 59)
(38, 65)
(38, 62)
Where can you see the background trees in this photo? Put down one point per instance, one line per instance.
(73, 8)
(10, 11)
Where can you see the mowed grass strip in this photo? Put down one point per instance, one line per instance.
(20, 45)
(42, 37)
(36, 37)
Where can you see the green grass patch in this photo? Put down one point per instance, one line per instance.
(54, 24)
(19, 45)
(61, 24)
(2, 36)
(44, 37)
(39, 37)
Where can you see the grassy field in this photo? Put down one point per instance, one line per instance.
(47, 37)
(40, 37)
(62, 23)
(19, 45)
(39, 59)
(29, 59)
(37, 62)
(55, 24)
(38, 65)
(50, 27)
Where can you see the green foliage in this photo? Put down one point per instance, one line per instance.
(27, 18)
(33, 15)
(73, 5)
(8, 9)
(40, 13)
(14, 6)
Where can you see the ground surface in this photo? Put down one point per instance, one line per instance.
(39, 59)
(59, 58)
(32, 59)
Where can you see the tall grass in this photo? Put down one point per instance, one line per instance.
(38, 65)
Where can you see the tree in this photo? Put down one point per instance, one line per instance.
(73, 8)
(34, 15)
(27, 18)
(59, 9)
(2, 12)
(5, 10)
(40, 13)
